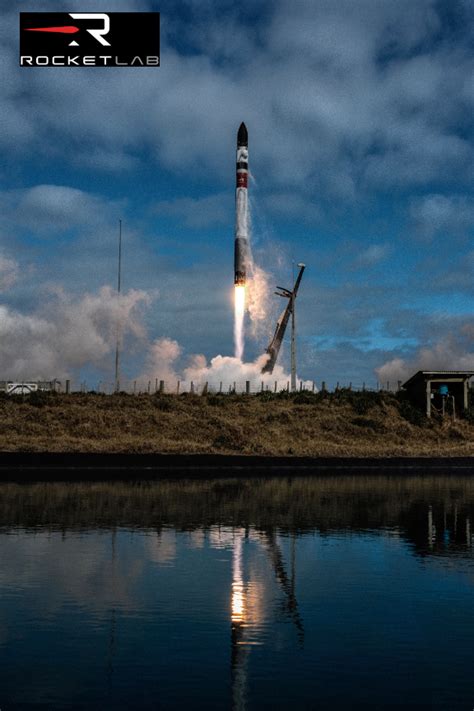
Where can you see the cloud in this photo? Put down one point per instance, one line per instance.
(9, 272)
(52, 209)
(342, 95)
(67, 334)
(293, 206)
(436, 214)
(359, 116)
(453, 351)
(198, 213)
(373, 255)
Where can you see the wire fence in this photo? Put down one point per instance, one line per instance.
(179, 387)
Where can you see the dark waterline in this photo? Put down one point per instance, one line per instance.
(332, 592)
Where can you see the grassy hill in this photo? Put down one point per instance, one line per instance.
(345, 423)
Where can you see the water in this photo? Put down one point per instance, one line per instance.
(331, 593)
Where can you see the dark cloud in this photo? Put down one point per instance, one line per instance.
(317, 96)
(360, 119)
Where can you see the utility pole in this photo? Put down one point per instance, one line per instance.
(117, 347)
(293, 343)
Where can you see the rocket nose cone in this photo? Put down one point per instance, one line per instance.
(242, 136)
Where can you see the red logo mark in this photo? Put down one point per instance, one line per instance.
(67, 30)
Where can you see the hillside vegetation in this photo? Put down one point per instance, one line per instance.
(344, 423)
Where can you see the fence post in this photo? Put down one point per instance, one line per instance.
(162, 386)
(192, 387)
(301, 385)
(234, 390)
(204, 389)
(149, 386)
(337, 386)
(323, 386)
(287, 386)
(276, 385)
(177, 388)
(350, 386)
(68, 386)
(247, 387)
(313, 387)
(220, 386)
(363, 387)
(261, 389)
(156, 384)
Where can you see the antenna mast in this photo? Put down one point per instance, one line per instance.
(117, 347)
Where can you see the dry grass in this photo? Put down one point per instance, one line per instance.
(337, 424)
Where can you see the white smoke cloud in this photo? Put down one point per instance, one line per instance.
(161, 360)
(67, 334)
(228, 370)
(162, 364)
(455, 351)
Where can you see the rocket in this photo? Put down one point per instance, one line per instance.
(241, 253)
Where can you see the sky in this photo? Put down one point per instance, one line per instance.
(360, 120)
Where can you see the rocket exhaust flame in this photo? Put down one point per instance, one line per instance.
(239, 313)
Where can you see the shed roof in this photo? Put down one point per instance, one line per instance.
(445, 374)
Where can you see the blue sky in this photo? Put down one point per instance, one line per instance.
(360, 128)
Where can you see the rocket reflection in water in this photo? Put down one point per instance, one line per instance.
(239, 613)
(249, 603)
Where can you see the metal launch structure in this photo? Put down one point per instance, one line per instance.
(273, 348)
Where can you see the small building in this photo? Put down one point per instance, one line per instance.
(443, 391)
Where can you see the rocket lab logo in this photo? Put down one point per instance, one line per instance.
(90, 39)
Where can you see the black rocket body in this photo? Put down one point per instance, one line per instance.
(241, 251)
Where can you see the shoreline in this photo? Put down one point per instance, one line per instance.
(58, 466)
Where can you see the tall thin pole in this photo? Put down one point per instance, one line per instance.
(117, 347)
(293, 343)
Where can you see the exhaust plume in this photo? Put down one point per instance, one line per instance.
(67, 334)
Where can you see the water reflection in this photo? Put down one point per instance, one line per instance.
(240, 614)
(247, 604)
(296, 592)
